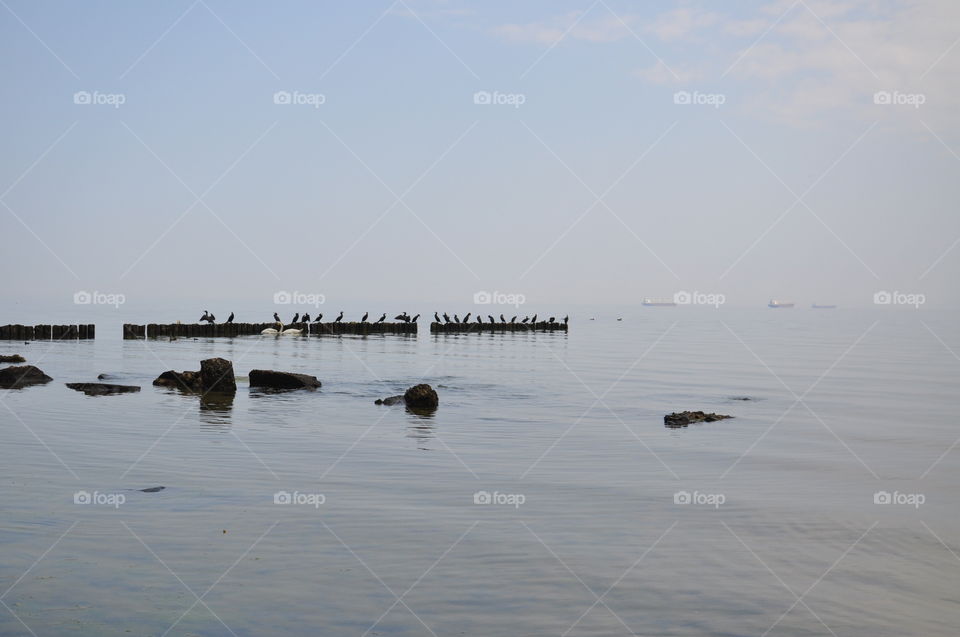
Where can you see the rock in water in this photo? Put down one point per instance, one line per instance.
(421, 396)
(152, 489)
(684, 418)
(13, 358)
(392, 400)
(103, 389)
(22, 376)
(186, 381)
(216, 375)
(282, 380)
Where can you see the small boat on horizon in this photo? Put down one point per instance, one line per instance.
(667, 302)
(776, 303)
(817, 306)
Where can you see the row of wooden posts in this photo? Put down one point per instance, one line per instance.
(206, 330)
(46, 332)
(497, 327)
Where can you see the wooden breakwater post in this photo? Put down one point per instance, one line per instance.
(229, 330)
(47, 332)
(461, 328)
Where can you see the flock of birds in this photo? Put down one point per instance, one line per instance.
(297, 318)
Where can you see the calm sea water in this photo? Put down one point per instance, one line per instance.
(588, 532)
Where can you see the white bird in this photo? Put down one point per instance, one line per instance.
(271, 330)
(289, 332)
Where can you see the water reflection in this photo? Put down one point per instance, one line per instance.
(420, 427)
(215, 409)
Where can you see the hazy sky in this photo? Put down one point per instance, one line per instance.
(584, 181)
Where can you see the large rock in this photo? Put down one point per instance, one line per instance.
(12, 358)
(186, 381)
(421, 396)
(22, 376)
(216, 375)
(103, 389)
(282, 380)
(684, 418)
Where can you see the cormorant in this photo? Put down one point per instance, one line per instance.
(513, 320)
(566, 319)
(365, 315)
(466, 319)
(479, 319)
(436, 317)
(296, 317)
(525, 319)
(456, 319)
(207, 316)
(305, 318)
(230, 318)
(534, 319)
(401, 317)
(502, 320)
(339, 318)
(446, 317)
(414, 319)
(553, 320)
(319, 316)
(491, 318)
(276, 318)
(382, 318)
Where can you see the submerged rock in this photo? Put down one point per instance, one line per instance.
(186, 381)
(216, 375)
(421, 397)
(22, 376)
(684, 418)
(12, 358)
(152, 489)
(282, 380)
(103, 389)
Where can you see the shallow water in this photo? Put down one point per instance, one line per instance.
(566, 429)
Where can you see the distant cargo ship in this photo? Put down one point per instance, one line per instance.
(776, 303)
(817, 306)
(659, 302)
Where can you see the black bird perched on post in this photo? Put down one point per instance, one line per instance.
(296, 317)
(364, 319)
(207, 316)
(479, 319)
(566, 319)
(502, 320)
(382, 318)
(466, 319)
(552, 320)
(414, 319)
(276, 317)
(534, 319)
(436, 317)
(305, 318)
(230, 318)
(319, 316)
(339, 318)
(525, 319)
(456, 319)
(402, 317)
(491, 318)
(513, 320)
(446, 317)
